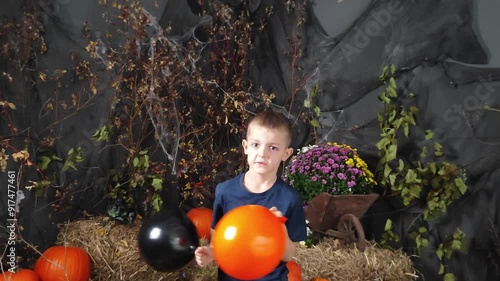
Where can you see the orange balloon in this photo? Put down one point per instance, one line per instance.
(202, 220)
(248, 242)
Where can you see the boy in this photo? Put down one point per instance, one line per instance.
(266, 145)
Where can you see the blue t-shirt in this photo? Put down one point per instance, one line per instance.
(232, 193)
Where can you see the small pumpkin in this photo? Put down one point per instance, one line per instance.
(202, 219)
(21, 275)
(319, 279)
(63, 263)
(294, 271)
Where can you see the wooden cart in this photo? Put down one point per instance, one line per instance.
(338, 216)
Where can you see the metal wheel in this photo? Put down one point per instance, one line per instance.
(352, 230)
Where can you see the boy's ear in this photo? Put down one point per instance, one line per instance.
(244, 143)
(287, 154)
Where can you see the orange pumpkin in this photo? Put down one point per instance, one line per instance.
(202, 220)
(21, 275)
(294, 271)
(319, 279)
(59, 261)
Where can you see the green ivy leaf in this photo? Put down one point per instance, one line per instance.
(67, 165)
(391, 91)
(315, 123)
(54, 157)
(101, 134)
(449, 277)
(44, 164)
(414, 110)
(460, 185)
(439, 253)
(157, 184)
(437, 146)
(384, 98)
(401, 165)
(133, 183)
(441, 269)
(441, 171)
(425, 243)
(392, 82)
(456, 245)
(383, 75)
(406, 130)
(392, 151)
(423, 153)
(428, 134)
(156, 202)
(317, 111)
(392, 179)
(433, 167)
(382, 143)
(415, 190)
(410, 176)
(387, 170)
(388, 225)
(431, 205)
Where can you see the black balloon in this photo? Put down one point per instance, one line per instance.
(167, 240)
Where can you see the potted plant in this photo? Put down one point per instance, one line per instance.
(333, 181)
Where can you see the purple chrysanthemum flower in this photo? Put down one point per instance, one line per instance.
(325, 165)
(326, 169)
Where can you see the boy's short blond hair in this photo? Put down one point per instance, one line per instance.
(272, 120)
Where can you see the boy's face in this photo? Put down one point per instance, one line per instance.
(266, 149)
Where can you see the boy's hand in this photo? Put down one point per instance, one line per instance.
(289, 246)
(278, 214)
(204, 255)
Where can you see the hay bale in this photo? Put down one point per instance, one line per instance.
(113, 249)
(330, 260)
